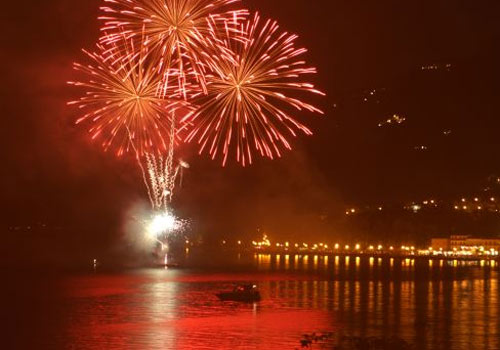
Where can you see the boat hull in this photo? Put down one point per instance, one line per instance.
(240, 297)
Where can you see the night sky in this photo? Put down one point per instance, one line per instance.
(52, 173)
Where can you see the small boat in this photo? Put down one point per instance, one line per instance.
(245, 293)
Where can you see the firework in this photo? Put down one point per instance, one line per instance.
(122, 108)
(177, 31)
(247, 103)
(121, 103)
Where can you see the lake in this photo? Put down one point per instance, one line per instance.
(430, 304)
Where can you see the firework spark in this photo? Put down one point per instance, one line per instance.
(178, 32)
(246, 102)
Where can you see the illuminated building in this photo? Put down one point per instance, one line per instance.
(458, 242)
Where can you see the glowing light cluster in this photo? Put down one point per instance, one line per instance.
(163, 224)
(410, 250)
(395, 119)
(476, 204)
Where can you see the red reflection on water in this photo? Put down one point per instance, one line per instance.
(166, 310)
(432, 307)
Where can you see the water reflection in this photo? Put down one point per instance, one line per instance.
(434, 305)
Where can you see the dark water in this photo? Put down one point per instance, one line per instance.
(431, 305)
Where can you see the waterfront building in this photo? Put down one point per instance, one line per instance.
(461, 242)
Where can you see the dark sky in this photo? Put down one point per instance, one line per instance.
(52, 173)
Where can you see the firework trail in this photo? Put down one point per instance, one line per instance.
(161, 174)
(178, 32)
(122, 108)
(246, 103)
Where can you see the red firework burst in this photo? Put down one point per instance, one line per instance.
(246, 103)
(120, 103)
(178, 32)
